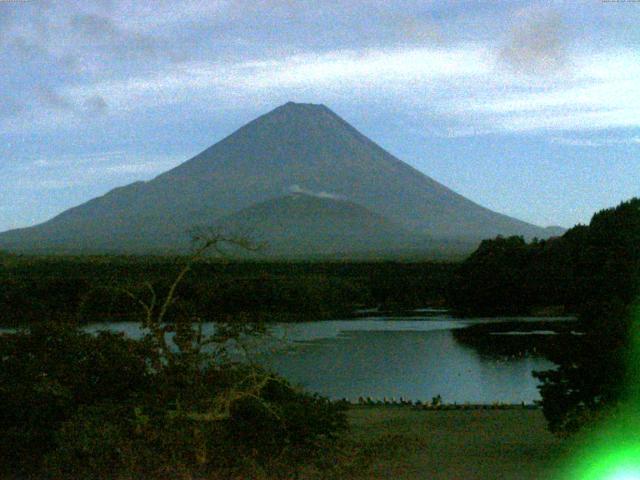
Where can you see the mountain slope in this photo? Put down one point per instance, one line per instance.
(296, 224)
(294, 148)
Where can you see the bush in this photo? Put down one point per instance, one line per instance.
(49, 373)
(81, 406)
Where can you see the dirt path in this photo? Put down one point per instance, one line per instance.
(467, 445)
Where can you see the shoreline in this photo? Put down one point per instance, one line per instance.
(435, 407)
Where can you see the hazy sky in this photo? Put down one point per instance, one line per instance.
(529, 108)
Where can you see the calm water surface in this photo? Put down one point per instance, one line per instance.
(414, 358)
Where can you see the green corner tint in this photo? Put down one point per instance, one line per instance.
(611, 450)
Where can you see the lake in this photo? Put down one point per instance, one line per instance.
(415, 358)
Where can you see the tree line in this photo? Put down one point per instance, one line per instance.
(592, 271)
(98, 289)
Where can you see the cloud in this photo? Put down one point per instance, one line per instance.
(132, 58)
(74, 160)
(410, 28)
(386, 69)
(95, 105)
(105, 34)
(299, 189)
(152, 16)
(536, 43)
(51, 99)
(463, 85)
(97, 27)
(32, 36)
(595, 142)
(80, 38)
(68, 171)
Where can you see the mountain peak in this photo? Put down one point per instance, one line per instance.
(295, 108)
(291, 105)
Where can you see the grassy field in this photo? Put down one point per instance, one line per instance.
(404, 443)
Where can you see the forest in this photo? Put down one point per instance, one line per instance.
(100, 289)
(592, 271)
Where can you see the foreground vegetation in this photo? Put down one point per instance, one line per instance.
(83, 406)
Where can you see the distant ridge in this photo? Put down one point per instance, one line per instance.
(296, 148)
(296, 224)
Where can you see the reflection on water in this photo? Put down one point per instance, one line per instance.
(414, 358)
(414, 364)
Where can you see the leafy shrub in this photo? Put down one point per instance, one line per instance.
(81, 406)
(47, 374)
